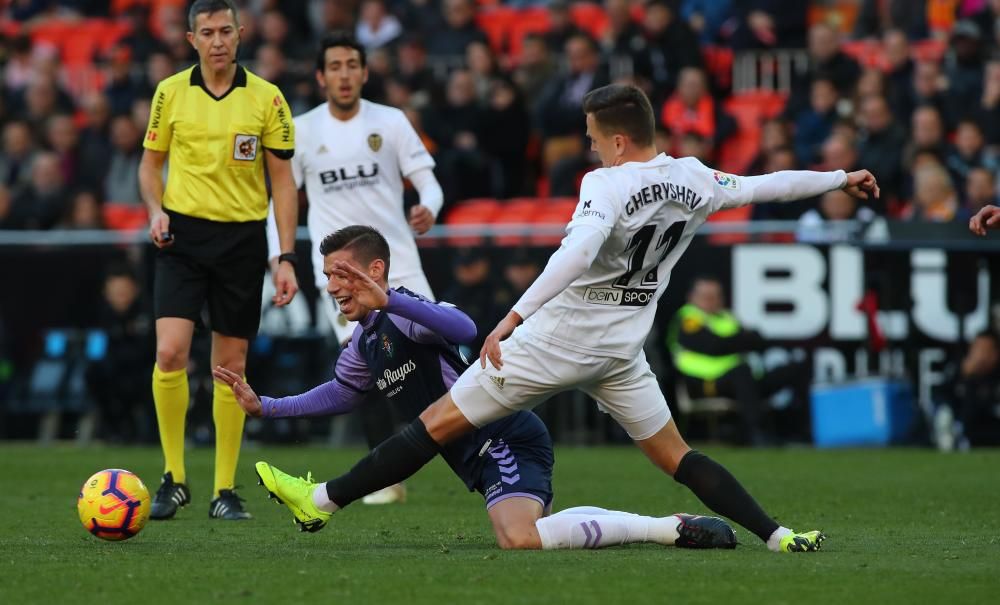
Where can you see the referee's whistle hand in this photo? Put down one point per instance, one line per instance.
(285, 285)
(159, 230)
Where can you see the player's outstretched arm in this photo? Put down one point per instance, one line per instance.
(988, 217)
(329, 398)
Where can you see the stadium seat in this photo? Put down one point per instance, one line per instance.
(590, 17)
(527, 21)
(711, 408)
(513, 212)
(495, 22)
(719, 65)
(469, 214)
(553, 213)
(732, 215)
(124, 217)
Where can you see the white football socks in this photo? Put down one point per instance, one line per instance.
(322, 500)
(593, 527)
(774, 542)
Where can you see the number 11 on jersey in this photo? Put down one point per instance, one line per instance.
(637, 248)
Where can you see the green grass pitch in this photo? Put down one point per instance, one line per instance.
(904, 526)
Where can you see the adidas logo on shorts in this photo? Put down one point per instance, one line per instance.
(498, 380)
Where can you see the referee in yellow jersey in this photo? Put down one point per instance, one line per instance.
(219, 125)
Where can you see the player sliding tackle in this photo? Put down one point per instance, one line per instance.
(586, 316)
(405, 346)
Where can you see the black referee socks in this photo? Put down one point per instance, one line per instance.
(395, 459)
(720, 491)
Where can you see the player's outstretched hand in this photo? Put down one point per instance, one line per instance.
(286, 284)
(861, 184)
(363, 288)
(245, 396)
(491, 346)
(421, 219)
(988, 217)
(159, 230)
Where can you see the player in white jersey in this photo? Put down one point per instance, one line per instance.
(352, 156)
(588, 314)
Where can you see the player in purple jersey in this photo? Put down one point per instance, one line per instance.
(405, 346)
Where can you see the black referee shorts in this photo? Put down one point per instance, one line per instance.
(221, 264)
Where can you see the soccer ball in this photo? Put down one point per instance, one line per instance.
(113, 504)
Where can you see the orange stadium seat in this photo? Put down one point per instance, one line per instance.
(590, 17)
(124, 217)
(719, 64)
(553, 212)
(527, 21)
(732, 215)
(516, 211)
(471, 212)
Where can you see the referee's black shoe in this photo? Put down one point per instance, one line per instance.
(697, 531)
(169, 498)
(228, 506)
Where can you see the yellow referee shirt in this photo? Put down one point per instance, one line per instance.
(217, 144)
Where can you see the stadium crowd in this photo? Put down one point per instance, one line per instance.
(907, 89)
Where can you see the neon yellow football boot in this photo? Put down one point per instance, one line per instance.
(809, 541)
(295, 493)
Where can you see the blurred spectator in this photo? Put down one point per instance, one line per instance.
(561, 26)
(989, 105)
(876, 16)
(880, 146)
(558, 111)
(379, 68)
(623, 36)
(413, 71)
(505, 136)
(250, 38)
(969, 151)
(694, 145)
(476, 291)
(122, 88)
(41, 101)
(899, 71)
(174, 38)
(980, 189)
(834, 205)
(708, 343)
(377, 27)
(775, 134)
(18, 69)
(776, 160)
(964, 67)
(274, 29)
(813, 125)
(929, 87)
(457, 128)
(83, 212)
(712, 20)
(6, 205)
(42, 203)
(482, 64)
(270, 63)
(670, 46)
(986, 19)
(459, 29)
(122, 181)
(926, 135)
(520, 271)
(535, 67)
(838, 153)
(62, 138)
(965, 415)
(95, 144)
(934, 196)
(140, 40)
(692, 109)
(826, 60)
(770, 24)
(117, 379)
(159, 67)
(419, 15)
(17, 155)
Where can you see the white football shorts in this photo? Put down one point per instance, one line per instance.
(534, 371)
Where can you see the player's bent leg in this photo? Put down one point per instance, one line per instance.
(229, 352)
(513, 522)
(444, 421)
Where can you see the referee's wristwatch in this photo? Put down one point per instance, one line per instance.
(289, 257)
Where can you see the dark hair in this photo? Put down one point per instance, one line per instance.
(201, 7)
(365, 242)
(339, 38)
(622, 109)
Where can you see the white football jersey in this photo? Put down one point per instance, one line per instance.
(353, 173)
(649, 211)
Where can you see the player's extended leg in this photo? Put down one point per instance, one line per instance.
(718, 489)
(171, 398)
(514, 523)
(231, 353)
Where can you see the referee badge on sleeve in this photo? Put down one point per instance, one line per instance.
(245, 147)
